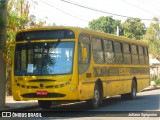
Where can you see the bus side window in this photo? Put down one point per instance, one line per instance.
(141, 55)
(134, 51)
(83, 65)
(118, 52)
(146, 55)
(108, 51)
(98, 54)
(126, 53)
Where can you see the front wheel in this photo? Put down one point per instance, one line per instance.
(96, 101)
(45, 104)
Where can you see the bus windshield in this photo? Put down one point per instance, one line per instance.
(46, 58)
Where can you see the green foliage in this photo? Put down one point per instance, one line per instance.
(152, 37)
(18, 11)
(1, 21)
(133, 28)
(105, 24)
(2, 3)
(18, 17)
(156, 80)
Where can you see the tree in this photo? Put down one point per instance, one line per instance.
(133, 28)
(18, 18)
(152, 37)
(105, 24)
(18, 12)
(33, 23)
(3, 37)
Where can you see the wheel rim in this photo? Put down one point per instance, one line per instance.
(96, 97)
(134, 91)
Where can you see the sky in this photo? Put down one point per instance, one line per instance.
(62, 13)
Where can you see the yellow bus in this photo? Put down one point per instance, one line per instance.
(73, 64)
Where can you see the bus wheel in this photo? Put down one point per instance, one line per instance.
(133, 94)
(96, 101)
(45, 104)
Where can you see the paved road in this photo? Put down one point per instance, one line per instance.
(146, 104)
(146, 101)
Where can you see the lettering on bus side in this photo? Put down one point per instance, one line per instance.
(115, 71)
(124, 71)
(105, 71)
(140, 71)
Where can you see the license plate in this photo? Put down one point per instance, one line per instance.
(42, 93)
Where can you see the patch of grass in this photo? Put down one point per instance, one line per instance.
(156, 80)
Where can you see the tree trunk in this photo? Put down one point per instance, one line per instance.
(3, 37)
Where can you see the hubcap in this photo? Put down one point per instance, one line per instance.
(96, 96)
(134, 92)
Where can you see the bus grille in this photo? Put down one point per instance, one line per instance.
(49, 95)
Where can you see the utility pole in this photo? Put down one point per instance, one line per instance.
(117, 30)
(3, 38)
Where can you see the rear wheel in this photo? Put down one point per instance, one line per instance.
(45, 104)
(133, 94)
(96, 101)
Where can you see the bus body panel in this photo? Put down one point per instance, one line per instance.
(59, 87)
(116, 78)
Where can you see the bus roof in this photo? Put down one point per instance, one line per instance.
(79, 30)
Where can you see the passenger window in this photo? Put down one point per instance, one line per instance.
(117, 47)
(141, 55)
(126, 48)
(126, 53)
(135, 59)
(134, 49)
(146, 55)
(108, 46)
(97, 44)
(146, 51)
(98, 54)
(141, 50)
(108, 51)
(118, 52)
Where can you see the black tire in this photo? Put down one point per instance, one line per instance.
(133, 94)
(45, 104)
(97, 99)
